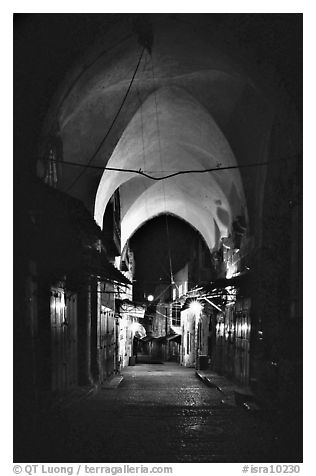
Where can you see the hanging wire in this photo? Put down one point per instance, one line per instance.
(163, 291)
(162, 167)
(143, 140)
(169, 250)
(142, 129)
(89, 65)
(86, 166)
(180, 172)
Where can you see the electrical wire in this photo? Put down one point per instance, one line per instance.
(142, 129)
(162, 167)
(163, 291)
(143, 140)
(85, 166)
(174, 174)
(88, 66)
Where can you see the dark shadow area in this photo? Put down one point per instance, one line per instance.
(136, 433)
(153, 244)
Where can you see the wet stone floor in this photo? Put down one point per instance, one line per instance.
(158, 413)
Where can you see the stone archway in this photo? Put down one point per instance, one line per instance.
(172, 132)
(192, 104)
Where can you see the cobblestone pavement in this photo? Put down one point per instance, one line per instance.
(158, 413)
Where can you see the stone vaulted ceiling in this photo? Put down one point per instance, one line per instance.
(179, 115)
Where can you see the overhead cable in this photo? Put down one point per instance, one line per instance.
(89, 65)
(162, 167)
(110, 128)
(174, 174)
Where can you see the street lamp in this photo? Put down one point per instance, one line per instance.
(196, 307)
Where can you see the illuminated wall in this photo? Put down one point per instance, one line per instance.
(189, 107)
(188, 344)
(170, 132)
(193, 104)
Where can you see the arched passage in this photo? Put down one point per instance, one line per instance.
(172, 132)
(222, 89)
(178, 197)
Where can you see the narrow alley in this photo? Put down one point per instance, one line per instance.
(158, 298)
(157, 413)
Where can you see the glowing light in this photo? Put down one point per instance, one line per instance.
(196, 307)
(134, 326)
(231, 269)
(138, 330)
(245, 329)
(57, 304)
(150, 298)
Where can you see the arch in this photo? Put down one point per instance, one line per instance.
(137, 215)
(171, 214)
(171, 131)
(186, 194)
(217, 74)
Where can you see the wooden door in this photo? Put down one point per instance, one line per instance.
(72, 340)
(58, 340)
(106, 342)
(63, 314)
(243, 328)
